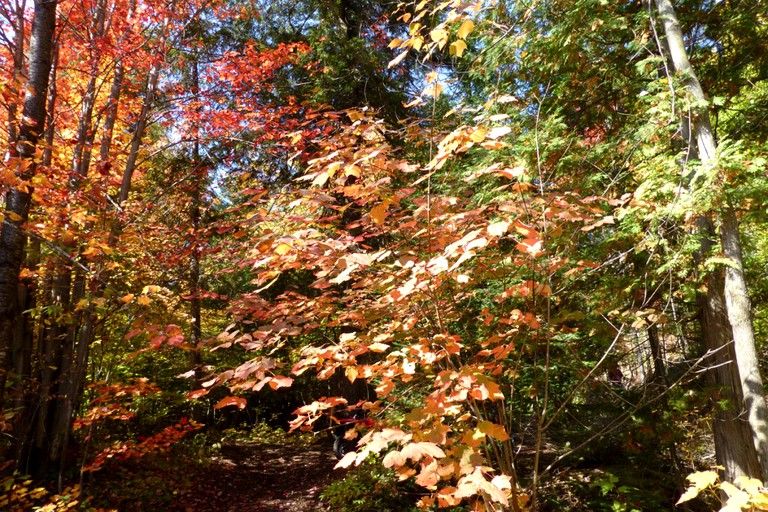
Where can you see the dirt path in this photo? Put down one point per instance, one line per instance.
(250, 477)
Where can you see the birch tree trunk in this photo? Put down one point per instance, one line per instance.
(743, 355)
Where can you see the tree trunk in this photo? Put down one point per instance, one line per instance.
(734, 449)
(17, 199)
(740, 316)
(141, 126)
(731, 290)
(194, 217)
(85, 132)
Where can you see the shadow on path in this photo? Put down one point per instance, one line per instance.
(252, 477)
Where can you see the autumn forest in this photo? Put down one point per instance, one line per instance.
(423, 255)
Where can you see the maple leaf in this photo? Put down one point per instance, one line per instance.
(237, 401)
(280, 381)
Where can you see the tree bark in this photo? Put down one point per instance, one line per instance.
(735, 298)
(17, 199)
(734, 450)
(739, 310)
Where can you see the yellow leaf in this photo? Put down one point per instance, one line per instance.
(91, 251)
(478, 135)
(378, 347)
(354, 115)
(144, 300)
(351, 373)
(320, 179)
(737, 499)
(457, 48)
(434, 90)
(702, 479)
(466, 28)
(395, 42)
(81, 304)
(439, 36)
(335, 166)
(352, 170)
(751, 485)
(282, 249)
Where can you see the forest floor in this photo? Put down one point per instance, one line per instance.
(255, 477)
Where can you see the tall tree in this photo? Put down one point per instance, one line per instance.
(726, 291)
(18, 197)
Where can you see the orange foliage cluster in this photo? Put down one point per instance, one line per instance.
(403, 303)
(161, 441)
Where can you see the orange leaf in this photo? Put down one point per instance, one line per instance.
(385, 388)
(197, 393)
(379, 213)
(531, 246)
(280, 381)
(239, 401)
(493, 430)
